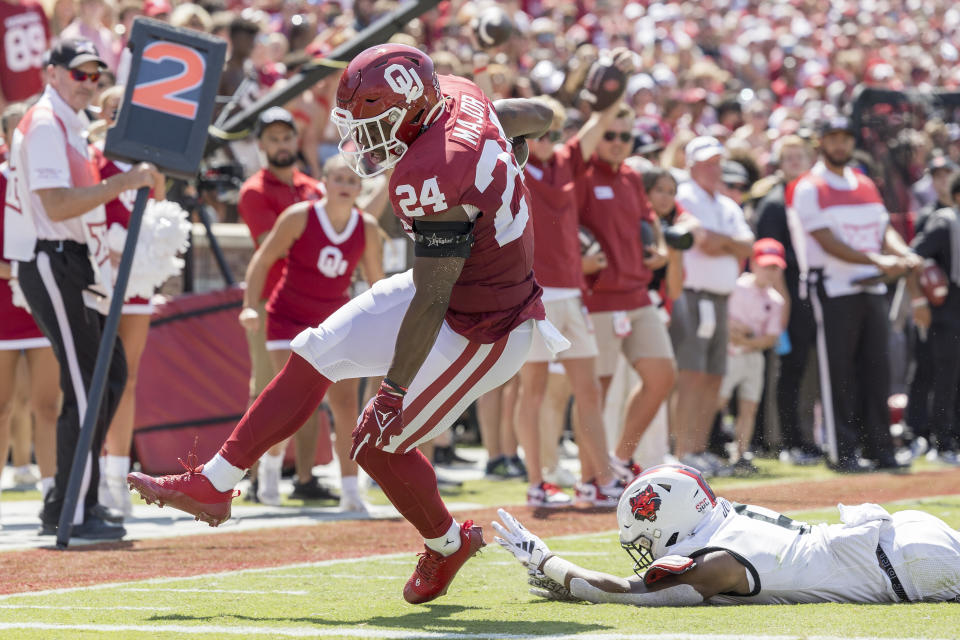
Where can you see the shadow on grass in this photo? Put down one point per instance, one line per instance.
(435, 618)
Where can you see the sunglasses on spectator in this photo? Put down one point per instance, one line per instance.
(610, 136)
(552, 136)
(80, 76)
(742, 188)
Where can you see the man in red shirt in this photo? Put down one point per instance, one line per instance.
(550, 177)
(458, 324)
(614, 207)
(24, 32)
(263, 197)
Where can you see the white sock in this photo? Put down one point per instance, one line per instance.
(349, 485)
(103, 466)
(221, 474)
(272, 461)
(45, 485)
(448, 543)
(25, 468)
(620, 460)
(117, 465)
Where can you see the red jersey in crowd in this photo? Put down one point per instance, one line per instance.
(316, 279)
(24, 32)
(612, 204)
(465, 159)
(263, 198)
(556, 256)
(16, 324)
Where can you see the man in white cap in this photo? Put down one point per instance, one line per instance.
(699, 326)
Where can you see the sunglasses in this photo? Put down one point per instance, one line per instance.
(742, 188)
(552, 136)
(610, 136)
(80, 76)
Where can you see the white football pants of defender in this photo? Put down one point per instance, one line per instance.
(358, 341)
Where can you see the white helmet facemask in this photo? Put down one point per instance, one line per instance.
(370, 145)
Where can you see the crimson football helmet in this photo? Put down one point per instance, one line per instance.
(662, 506)
(386, 96)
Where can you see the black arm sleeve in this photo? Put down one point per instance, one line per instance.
(442, 239)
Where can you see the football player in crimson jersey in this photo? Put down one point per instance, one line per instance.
(455, 326)
(692, 547)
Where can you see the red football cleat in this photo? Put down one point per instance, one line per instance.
(435, 572)
(191, 492)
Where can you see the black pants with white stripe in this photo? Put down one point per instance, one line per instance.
(853, 342)
(53, 285)
(803, 336)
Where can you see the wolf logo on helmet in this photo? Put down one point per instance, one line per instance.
(645, 504)
(661, 506)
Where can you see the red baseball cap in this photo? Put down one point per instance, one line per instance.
(153, 8)
(767, 251)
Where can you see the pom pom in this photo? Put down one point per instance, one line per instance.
(164, 233)
(18, 299)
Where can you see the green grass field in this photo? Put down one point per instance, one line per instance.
(361, 599)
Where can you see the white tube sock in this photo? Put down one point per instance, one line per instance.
(349, 485)
(448, 543)
(117, 465)
(221, 474)
(45, 485)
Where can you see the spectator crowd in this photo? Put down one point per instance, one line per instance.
(713, 237)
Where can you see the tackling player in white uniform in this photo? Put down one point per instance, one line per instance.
(691, 547)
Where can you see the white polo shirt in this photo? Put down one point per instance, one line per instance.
(851, 207)
(718, 213)
(39, 160)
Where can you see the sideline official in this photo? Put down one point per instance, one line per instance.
(842, 234)
(56, 231)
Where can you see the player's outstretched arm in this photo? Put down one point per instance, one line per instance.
(522, 117)
(438, 260)
(670, 582)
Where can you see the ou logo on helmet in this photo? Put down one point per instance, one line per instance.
(331, 262)
(404, 81)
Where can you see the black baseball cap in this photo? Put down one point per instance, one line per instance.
(734, 173)
(836, 123)
(70, 53)
(274, 115)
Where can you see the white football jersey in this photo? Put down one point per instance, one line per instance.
(790, 562)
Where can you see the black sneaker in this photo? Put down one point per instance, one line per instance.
(517, 462)
(93, 528)
(251, 495)
(448, 456)
(851, 464)
(313, 490)
(104, 512)
(744, 468)
(501, 468)
(889, 462)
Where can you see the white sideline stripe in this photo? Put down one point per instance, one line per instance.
(300, 632)
(71, 607)
(214, 575)
(249, 591)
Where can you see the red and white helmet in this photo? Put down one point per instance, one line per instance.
(662, 506)
(386, 96)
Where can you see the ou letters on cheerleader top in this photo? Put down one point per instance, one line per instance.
(791, 562)
(319, 268)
